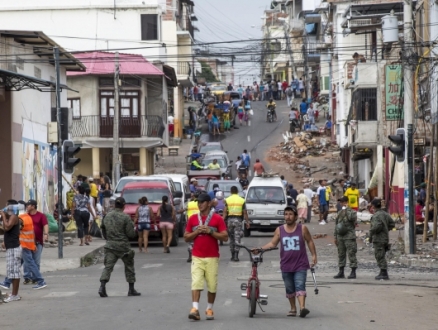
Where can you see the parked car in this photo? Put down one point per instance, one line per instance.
(182, 185)
(222, 160)
(127, 179)
(225, 186)
(205, 147)
(154, 191)
(218, 90)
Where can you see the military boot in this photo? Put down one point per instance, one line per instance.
(383, 275)
(102, 289)
(189, 259)
(132, 292)
(232, 256)
(236, 256)
(340, 274)
(353, 273)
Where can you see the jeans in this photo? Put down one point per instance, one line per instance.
(37, 259)
(295, 283)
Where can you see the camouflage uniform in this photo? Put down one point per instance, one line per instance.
(347, 242)
(381, 224)
(235, 232)
(118, 229)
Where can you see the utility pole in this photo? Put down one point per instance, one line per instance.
(116, 163)
(59, 151)
(289, 50)
(408, 76)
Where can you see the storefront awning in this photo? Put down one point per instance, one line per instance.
(14, 82)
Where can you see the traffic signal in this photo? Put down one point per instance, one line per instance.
(70, 150)
(398, 148)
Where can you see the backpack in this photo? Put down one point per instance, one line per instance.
(289, 92)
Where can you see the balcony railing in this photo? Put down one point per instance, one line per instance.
(97, 126)
(184, 23)
(184, 68)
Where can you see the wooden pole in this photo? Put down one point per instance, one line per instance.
(429, 186)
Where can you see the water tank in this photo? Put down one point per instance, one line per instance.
(390, 29)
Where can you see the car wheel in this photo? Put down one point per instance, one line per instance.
(246, 232)
(175, 237)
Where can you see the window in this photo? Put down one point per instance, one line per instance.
(75, 105)
(265, 195)
(149, 27)
(128, 104)
(364, 103)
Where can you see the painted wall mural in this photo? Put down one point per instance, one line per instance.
(39, 174)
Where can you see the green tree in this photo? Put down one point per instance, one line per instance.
(206, 72)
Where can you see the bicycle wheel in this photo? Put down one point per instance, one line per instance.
(252, 298)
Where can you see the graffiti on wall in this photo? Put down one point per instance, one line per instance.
(39, 174)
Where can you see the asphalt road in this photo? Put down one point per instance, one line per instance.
(71, 300)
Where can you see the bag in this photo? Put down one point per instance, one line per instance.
(71, 226)
(251, 112)
(95, 230)
(53, 224)
(290, 92)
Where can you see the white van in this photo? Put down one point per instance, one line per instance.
(265, 202)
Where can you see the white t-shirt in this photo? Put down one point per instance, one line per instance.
(300, 84)
(310, 194)
(238, 164)
(170, 120)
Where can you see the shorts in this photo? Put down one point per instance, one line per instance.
(216, 125)
(13, 263)
(323, 208)
(143, 226)
(205, 269)
(240, 115)
(295, 283)
(166, 225)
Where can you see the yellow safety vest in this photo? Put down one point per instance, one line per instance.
(192, 208)
(235, 205)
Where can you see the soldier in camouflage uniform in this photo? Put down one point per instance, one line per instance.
(118, 229)
(345, 238)
(381, 224)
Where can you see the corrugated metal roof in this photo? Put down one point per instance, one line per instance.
(102, 63)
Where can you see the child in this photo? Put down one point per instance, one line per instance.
(240, 113)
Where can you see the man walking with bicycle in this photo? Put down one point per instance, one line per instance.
(294, 263)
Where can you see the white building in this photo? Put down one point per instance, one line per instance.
(160, 30)
(27, 94)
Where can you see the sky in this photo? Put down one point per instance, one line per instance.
(241, 15)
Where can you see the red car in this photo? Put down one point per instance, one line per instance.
(154, 191)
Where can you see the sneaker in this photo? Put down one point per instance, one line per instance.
(323, 222)
(27, 281)
(209, 314)
(39, 286)
(194, 314)
(12, 298)
(5, 286)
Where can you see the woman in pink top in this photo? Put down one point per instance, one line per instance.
(294, 263)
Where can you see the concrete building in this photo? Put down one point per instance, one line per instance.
(27, 94)
(159, 30)
(143, 112)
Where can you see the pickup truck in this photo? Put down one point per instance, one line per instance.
(154, 191)
(202, 176)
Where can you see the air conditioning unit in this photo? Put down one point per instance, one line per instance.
(359, 22)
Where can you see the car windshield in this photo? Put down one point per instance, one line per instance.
(225, 185)
(124, 182)
(202, 182)
(210, 147)
(178, 186)
(265, 195)
(218, 88)
(220, 161)
(132, 196)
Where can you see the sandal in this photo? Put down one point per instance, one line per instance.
(292, 313)
(304, 312)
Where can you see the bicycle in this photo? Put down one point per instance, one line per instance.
(253, 286)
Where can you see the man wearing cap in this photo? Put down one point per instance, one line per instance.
(193, 185)
(234, 214)
(381, 224)
(294, 263)
(345, 238)
(118, 230)
(195, 165)
(353, 196)
(41, 230)
(204, 229)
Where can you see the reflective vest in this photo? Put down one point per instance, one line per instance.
(192, 208)
(27, 235)
(235, 205)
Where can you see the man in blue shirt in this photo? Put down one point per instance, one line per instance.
(328, 126)
(294, 85)
(323, 204)
(303, 110)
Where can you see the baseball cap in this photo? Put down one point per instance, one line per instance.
(91, 179)
(343, 199)
(204, 198)
(120, 201)
(32, 202)
(377, 202)
(193, 180)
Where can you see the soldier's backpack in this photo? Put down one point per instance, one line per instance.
(341, 228)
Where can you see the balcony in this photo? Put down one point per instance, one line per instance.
(184, 69)
(185, 27)
(365, 75)
(366, 133)
(130, 127)
(296, 24)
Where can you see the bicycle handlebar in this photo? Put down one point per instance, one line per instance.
(250, 251)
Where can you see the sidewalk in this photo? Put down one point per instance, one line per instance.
(74, 256)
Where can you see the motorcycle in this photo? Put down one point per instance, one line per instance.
(293, 125)
(271, 114)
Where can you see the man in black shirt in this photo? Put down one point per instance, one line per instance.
(242, 170)
(11, 226)
(244, 181)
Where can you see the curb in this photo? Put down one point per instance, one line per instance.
(92, 258)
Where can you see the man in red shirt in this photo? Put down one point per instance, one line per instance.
(41, 229)
(258, 168)
(205, 229)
